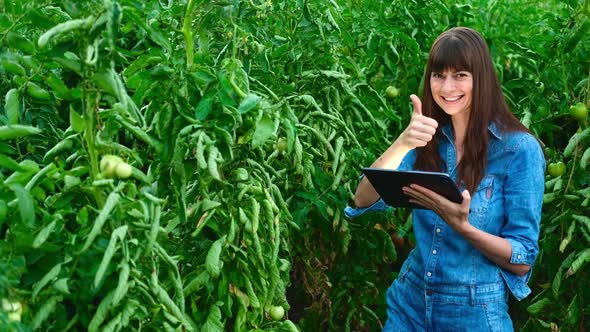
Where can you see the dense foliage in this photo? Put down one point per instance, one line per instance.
(183, 165)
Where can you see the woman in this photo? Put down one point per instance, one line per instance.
(468, 256)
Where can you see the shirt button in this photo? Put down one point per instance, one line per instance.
(519, 256)
(428, 292)
(438, 230)
(429, 274)
(434, 252)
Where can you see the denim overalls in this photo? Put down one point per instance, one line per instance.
(446, 284)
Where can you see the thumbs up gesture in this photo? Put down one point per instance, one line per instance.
(421, 128)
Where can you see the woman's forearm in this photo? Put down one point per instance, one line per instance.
(495, 248)
(392, 157)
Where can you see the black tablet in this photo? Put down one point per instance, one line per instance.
(389, 183)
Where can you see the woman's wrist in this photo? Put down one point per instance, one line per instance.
(393, 156)
(467, 230)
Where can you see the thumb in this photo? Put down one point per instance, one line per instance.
(417, 104)
(466, 198)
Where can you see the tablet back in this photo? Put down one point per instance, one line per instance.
(389, 183)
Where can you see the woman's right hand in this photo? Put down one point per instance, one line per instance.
(418, 133)
(421, 128)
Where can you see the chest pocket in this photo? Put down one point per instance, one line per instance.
(480, 201)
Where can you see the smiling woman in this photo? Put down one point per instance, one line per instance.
(468, 255)
(452, 91)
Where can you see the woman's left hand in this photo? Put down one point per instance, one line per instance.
(456, 215)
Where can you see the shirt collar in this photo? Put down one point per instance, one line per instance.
(447, 130)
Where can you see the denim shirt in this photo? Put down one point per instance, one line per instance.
(506, 203)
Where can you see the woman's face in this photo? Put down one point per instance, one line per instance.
(452, 91)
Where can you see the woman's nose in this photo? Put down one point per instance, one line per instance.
(448, 84)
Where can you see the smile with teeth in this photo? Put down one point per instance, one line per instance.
(451, 99)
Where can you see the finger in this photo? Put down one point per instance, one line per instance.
(466, 204)
(425, 128)
(438, 202)
(423, 204)
(420, 136)
(427, 193)
(417, 104)
(420, 195)
(429, 122)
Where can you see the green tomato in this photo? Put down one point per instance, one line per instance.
(123, 170)
(282, 144)
(391, 92)
(14, 309)
(556, 169)
(277, 312)
(108, 165)
(579, 111)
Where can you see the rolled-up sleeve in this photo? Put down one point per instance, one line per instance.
(380, 205)
(351, 212)
(523, 199)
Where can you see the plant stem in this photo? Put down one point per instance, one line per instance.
(188, 33)
(89, 132)
(574, 161)
(89, 109)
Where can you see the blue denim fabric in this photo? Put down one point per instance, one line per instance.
(506, 203)
(414, 306)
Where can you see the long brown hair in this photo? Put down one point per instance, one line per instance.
(463, 49)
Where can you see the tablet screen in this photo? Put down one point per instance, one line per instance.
(389, 183)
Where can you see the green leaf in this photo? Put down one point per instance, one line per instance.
(20, 42)
(70, 62)
(62, 285)
(574, 140)
(13, 67)
(291, 130)
(202, 78)
(538, 306)
(106, 82)
(59, 88)
(213, 323)
(249, 103)
(11, 106)
(43, 235)
(118, 234)
(264, 130)
(204, 108)
(196, 283)
(581, 260)
(556, 284)
(60, 147)
(154, 35)
(573, 311)
(76, 121)
(44, 311)
(71, 182)
(16, 131)
(26, 206)
(213, 260)
(52, 274)
(322, 208)
(585, 159)
(141, 62)
(209, 204)
(5, 21)
(8, 163)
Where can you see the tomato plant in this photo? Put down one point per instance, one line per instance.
(184, 165)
